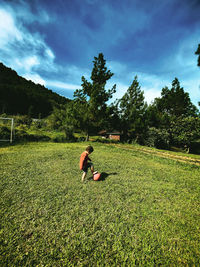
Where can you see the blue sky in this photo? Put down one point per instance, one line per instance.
(54, 42)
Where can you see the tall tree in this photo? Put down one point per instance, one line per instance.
(198, 53)
(132, 110)
(175, 101)
(198, 60)
(93, 96)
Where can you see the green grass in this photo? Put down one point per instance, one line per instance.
(145, 212)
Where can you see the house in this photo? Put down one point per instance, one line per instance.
(113, 135)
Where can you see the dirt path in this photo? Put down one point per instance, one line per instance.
(162, 154)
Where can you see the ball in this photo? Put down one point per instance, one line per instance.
(96, 176)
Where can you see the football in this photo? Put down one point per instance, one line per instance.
(96, 176)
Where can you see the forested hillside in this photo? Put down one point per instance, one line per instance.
(20, 96)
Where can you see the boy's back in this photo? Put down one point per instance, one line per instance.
(83, 159)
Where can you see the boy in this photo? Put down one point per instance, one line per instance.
(84, 165)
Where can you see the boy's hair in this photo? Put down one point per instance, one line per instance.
(89, 149)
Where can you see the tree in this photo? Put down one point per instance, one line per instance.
(63, 118)
(175, 101)
(198, 60)
(156, 118)
(112, 121)
(132, 110)
(93, 96)
(198, 53)
(185, 131)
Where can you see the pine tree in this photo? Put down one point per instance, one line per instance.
(93, 96)
(175, 101)
(198, 61)
(132, 110)
(198, 53)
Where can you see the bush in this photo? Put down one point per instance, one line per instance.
(4, 132)
(185, 132)
(21, 135)
(81, 139)
(158, 138)
(22, 128)
(69, 134)
(23, 120)
(63, 139)
(59, 139)
(195, 147)
(38, 124)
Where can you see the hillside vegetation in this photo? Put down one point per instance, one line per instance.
(20, 96)
(145, 211)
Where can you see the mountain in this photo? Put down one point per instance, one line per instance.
(20, 96)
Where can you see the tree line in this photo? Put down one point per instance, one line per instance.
(170, 120)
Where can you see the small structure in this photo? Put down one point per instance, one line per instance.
(114, 135)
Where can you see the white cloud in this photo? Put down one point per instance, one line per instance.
(120, 90)
(26, 63)
(27, 52)
(20, 49)
(192, 86)
(150, 94)
(49, 53)
(8, 30)
(185, 57)
(62, 85)
(22, 12)
(35, 78)
(151, 84)
(119, 69)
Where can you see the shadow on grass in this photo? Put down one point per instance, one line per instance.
(104, 176)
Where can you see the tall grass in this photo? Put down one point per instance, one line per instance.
(144, 212)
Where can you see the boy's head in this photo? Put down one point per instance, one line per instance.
(89, 149)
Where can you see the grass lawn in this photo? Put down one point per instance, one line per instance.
(145, 212)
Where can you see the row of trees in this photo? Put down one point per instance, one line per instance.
(171, 119)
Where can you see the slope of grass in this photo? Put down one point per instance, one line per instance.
(144, 212)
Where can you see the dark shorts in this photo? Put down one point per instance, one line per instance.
(89, 165)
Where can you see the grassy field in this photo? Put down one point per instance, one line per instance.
(145, 211)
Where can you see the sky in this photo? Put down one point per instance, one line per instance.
(54, 43)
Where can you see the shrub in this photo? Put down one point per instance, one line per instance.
(4, 132)
(38, 124)
(23, 120)
(59, 139)
(158, 138)
(21, 135)
(185, 131)
(81, 139)
(69, 134)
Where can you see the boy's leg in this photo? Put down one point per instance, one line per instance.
(83, 176)
(92, 168)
